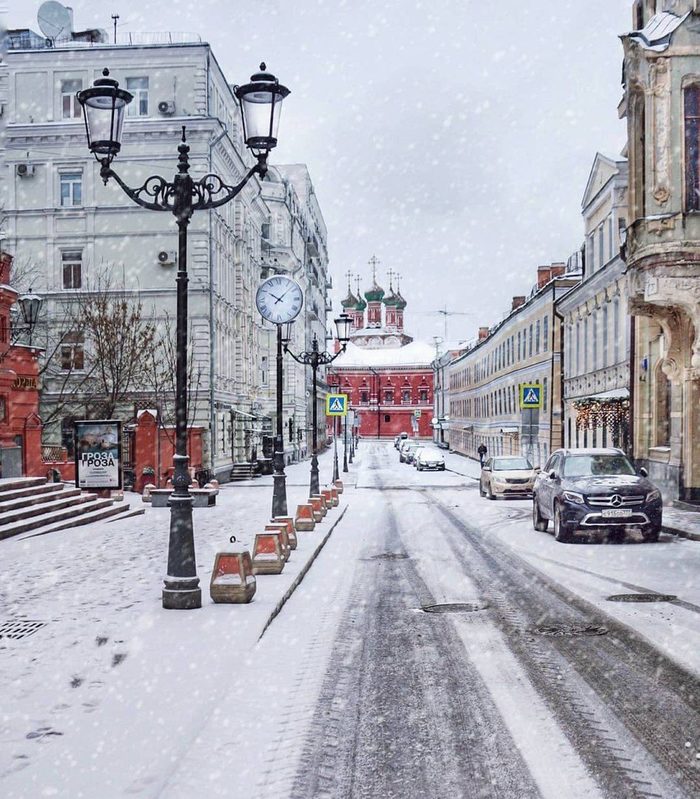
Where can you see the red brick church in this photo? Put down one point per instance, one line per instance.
(387, 375)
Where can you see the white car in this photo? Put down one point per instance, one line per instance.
(430, 458)
(507, 476)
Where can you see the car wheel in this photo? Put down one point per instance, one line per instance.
(561, 534)
(538, 521)
(651, 536)
(419, 467)
(489, 492)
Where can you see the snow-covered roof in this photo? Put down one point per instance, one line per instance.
(656, 34)
(417, 353)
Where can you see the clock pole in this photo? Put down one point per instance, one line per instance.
(279, 479)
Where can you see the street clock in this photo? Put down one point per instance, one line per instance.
(279, 299)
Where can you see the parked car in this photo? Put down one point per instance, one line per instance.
(409, 451)
(595, 490)
(429, 458)
(399, 439)
(402, 448)
(507, 476)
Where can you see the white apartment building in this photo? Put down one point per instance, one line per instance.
(485, 381)
(63, 220)
(595, 315)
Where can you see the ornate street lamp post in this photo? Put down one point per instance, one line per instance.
(104, 105)
(314, 358)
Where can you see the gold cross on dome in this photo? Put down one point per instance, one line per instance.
(373, 262)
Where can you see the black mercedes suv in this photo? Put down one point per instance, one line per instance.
(595, 490)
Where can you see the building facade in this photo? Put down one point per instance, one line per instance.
(387, 376)
(62, 218)
(661, 103)
(485, 381)
(596, 319)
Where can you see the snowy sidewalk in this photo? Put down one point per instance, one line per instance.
(109, 680)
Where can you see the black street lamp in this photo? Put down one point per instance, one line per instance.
(279, 478)
(104, 106)
(336, 474)
(314, 358)
(345, 443)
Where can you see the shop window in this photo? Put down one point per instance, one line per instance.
(662, 413)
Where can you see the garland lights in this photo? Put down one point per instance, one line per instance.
(593, 413)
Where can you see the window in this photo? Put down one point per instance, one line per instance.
(601, 246)
(692, 147)
(537, 337)
(138, 107)
(389, 396)
(70, 107)
(544, 394)
(71, 352)
(71, 188)
(72, 265)
(423, 395)
(605, 335)
(263, 370)
(387, 417)
(611, 240)
(578, 348)
(530, 343)
(616, 329)
(545, 334)
(518, 345)
(406, 396)
(364, 396)
(595, 340)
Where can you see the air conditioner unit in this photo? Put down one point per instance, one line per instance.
(167, 258)
(25, 170)
(166, 108)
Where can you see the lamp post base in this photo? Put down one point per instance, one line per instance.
(182, 593)
(279, 494)
(313, 485)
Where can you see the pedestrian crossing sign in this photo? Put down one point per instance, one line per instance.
(336, 404)
(530, 396)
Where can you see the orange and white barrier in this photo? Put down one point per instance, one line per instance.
(291, 532)
(339, 485)
(336, 496)
(305, 520)
(232, 578)
(284, 538)
(268, 557)
(327, 494)
(317, 504)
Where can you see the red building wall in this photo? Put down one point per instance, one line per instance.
(379, 417)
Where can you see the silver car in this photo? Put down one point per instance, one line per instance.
(429, 458)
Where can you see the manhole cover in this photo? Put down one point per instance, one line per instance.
(456, 607)
(390, 556)
(642, 598)
(570, 630)
(20, 629)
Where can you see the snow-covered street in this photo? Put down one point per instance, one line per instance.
(527, 682)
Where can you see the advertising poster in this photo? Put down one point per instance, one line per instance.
(98, 453)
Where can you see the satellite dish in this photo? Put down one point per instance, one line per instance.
(54, 19)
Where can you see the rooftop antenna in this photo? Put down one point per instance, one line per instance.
(115, 17)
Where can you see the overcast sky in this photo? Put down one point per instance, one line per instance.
(450, 138)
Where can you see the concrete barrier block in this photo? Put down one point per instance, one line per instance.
(291, 533)
(284, 537)
(268, 557)
(232, 578)
(305, 520)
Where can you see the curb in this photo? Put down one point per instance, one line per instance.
(297, 580)
(681, 533)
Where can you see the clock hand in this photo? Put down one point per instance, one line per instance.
(279, 299)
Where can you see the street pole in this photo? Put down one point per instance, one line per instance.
(313, 483)
(314, 358)
(279, 479)
(336, 473)
(345, 442)
(104, 106)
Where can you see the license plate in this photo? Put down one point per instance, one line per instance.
(616, 513)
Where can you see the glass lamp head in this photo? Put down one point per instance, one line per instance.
(261, 104)
(342, 326)
(104, 104)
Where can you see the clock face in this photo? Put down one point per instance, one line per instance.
(279, 299)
